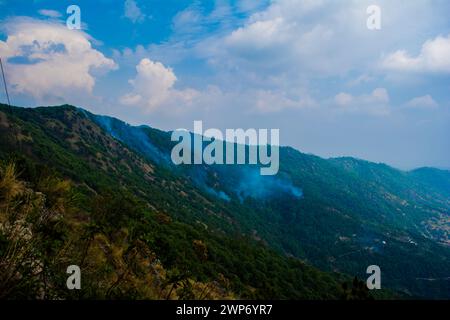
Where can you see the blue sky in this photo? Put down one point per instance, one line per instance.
(310, 68)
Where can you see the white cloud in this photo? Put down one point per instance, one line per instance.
(375, 103)
(299, 38)
(133, 12)
(48, 61)
(288, 45)
(50, 13)
(187, 21)
(433, 57)
(362, 79)
(379, 95)
(424, 102)
(343, 99)
(258, 35)
(267, 101)
(153, 87)
(317, 39)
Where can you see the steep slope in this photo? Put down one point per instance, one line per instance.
(135, 229)
(337, 214)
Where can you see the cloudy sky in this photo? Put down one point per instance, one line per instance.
(311, 68)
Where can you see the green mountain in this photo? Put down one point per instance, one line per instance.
(145, 228)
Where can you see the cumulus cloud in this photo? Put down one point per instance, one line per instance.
(50, 13)
(152, 84)
(133, 12)
(375, 103)
(302, 38)
(433, 57)
(319, 39)
(153, 87)
(286, 45)
(48, 61)
(258, 35)
(423, 102)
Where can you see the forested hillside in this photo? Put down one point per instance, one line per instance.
(141, 227)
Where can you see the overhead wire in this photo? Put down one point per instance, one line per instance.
(17, 142)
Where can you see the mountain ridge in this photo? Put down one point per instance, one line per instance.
(281, 146)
